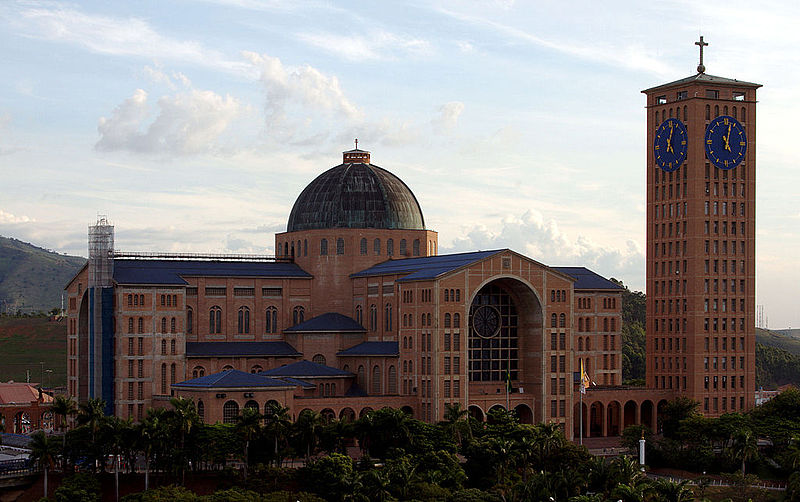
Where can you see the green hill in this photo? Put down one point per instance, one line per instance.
(780, 339)
(32, 278)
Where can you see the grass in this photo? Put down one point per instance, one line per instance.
(26, 343)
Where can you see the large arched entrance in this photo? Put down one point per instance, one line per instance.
(647, 413)
(596, 419)
(613, 419)
(505, 339)
(476, 412)
(524, 414)
(630, 413)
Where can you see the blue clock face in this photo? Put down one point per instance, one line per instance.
(670, 145)
(726, 142)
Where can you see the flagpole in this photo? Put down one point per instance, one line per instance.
(580, 410)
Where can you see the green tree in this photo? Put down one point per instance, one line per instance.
(44, 451)
(64, 407)
(745, 447)
(78, 488)
(307, 430)
(330, 476)
(248, 426)
(456, 421)
(183, 417)
(674, 412)
(670, 491)
(277, 425)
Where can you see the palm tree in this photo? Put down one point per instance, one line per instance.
(307, 429)
(184, 417)
(92, 413)
(248, 426)
(745, 447)
(456, 421)
(670, 491)
(277, 423)
(151, 431)
(44, 452)
(114, 431)
(64, 406)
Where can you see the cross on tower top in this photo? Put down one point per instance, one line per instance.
(701, 68)
(356, 143)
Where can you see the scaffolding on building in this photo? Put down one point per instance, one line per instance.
(101, 253)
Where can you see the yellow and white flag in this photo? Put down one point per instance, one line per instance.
(585, 380)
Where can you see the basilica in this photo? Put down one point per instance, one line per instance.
(356, 311)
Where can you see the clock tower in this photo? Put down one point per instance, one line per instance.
(701, 180)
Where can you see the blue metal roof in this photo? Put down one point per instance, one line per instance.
(171, 271)
(328, 322)
(372, 349)
(428, 267)
(234, 349)
(297, 381)
(586, 279)
(233, 378)
(306, 369)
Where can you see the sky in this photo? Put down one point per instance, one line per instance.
(194, 125)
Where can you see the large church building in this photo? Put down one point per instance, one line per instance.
(357, 310)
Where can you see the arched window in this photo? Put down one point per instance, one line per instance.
(446, 295)
(163, 300)
(292, 255)
(558, 295)
(198, 371)
(271, 320)
(716, 111)
(243, 320)
(389, 247)
(339, 246)
(361, 378)
(428, 320)
(189, 320)
(580, 324)
(227, 367)
(614, 324)
(415, 247)
(305, 247)
(229, 412)
(319, 359)
(458, 295)
(172, 373)
(172, 325)
(553, 321)
(130, 325)
(363, 245)
(163, 378)
(172, 347)
(136, 300)
(447, 320)
(298, 315)
(163, 324)
(141, 300)
(201, 410)
(256, 369)
(215, 320)
(405, 367)
(376, 246)
(580, 343)
(376, 380)
(392, 380)
(402, 247)
(562, 321)
(130, 300)
(373, 318)
(552, 295)
(163, 347)
(359, 315)
(387, 321)
(169, 300)
(141, 325)
(605, 324)
(456, 320)
(323, 247)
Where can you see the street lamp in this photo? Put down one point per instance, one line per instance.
(49, 380)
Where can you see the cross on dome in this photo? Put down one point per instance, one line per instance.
(701, 68)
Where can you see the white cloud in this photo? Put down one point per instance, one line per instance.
(159, 76)
(304, 85)
(8, 218)
(377, 45)
(117, 37)
(186, 123)
(448, 116)
(631, 56)
(540, 239)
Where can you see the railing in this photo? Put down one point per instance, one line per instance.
(136, 255)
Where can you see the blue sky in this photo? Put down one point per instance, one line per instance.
(195, 125)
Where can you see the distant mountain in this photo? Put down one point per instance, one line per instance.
(32, 278)
(786, 339)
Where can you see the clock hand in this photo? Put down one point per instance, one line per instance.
(669, 140)
(727, 138)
